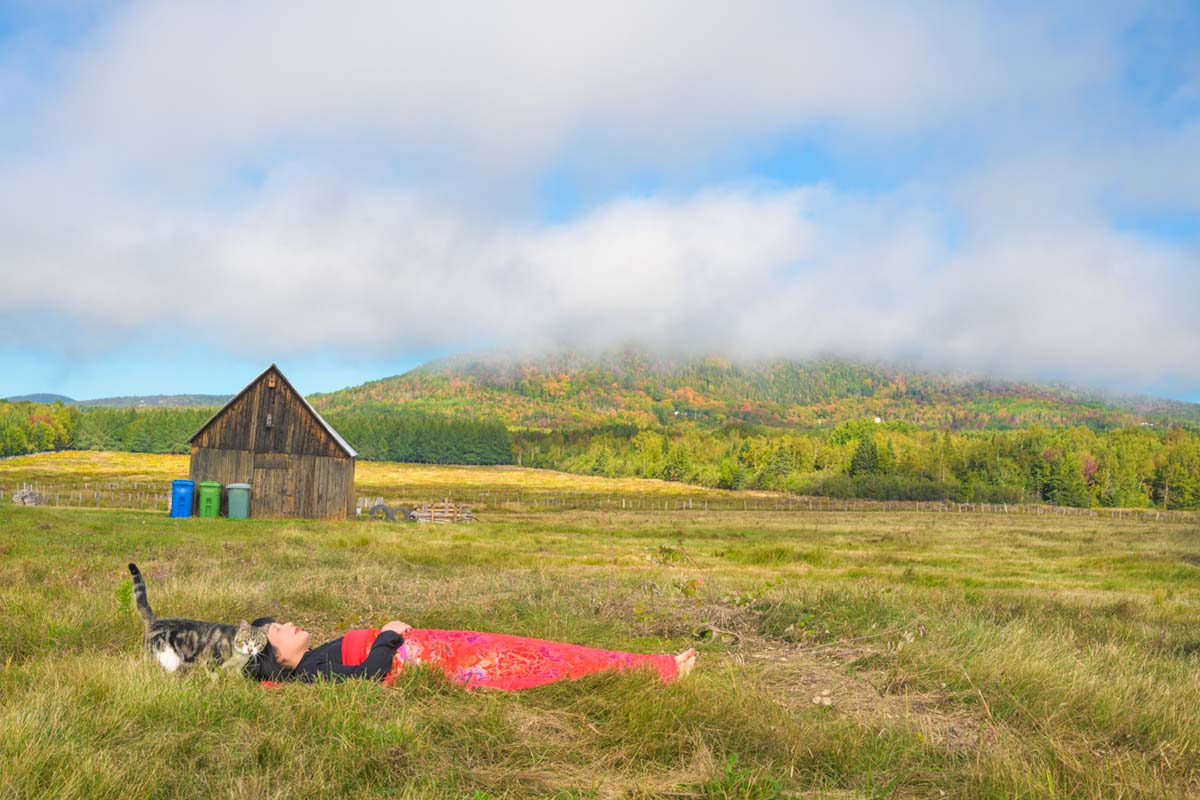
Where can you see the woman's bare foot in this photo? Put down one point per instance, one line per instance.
(685, 661)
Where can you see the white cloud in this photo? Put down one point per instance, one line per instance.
(313, 266)
(508, 87)
(396, 147)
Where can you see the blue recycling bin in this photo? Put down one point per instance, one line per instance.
(181, 498)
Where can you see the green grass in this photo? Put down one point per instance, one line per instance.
(978, 655)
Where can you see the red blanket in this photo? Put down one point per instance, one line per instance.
(501, 661)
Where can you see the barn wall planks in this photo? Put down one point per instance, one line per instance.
(268, 419)
(269, 438)
(282, 485)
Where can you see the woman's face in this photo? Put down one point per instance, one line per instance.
(289, 641)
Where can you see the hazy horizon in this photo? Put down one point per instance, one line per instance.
(238, 375)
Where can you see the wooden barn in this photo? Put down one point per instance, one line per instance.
(270, 437)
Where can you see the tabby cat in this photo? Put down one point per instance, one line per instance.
(248, 641)
(175, 642)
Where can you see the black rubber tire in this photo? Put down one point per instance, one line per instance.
(380, 511)
(403, 514)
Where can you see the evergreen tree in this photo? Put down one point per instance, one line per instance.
(865, 460)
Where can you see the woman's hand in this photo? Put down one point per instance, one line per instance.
(396, 626)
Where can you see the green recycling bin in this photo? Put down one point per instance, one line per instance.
(210, 499)
(239, 500)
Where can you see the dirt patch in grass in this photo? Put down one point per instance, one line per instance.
(801, 678)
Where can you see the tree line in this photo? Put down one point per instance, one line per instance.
(34, 427)
(385, 435)
(378, 435)
(1130, 467)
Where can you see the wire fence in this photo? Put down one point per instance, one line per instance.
(91, 494)
(149, 496)
(548, 501)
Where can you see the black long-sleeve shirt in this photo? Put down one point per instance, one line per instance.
(325, 661)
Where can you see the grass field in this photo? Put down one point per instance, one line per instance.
(970, 655)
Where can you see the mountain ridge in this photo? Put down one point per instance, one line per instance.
(39, 397)
(127, 401)
(574, 390)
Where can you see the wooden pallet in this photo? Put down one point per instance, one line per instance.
(442, 513)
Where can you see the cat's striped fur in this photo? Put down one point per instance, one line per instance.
(175, 642)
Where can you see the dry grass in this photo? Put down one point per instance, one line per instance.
(979, 656)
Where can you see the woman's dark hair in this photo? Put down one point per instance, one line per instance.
(266, 667)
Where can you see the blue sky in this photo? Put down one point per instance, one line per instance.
(196, 190)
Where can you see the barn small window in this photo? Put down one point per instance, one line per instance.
(268, 420)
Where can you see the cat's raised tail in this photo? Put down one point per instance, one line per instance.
(139, 596)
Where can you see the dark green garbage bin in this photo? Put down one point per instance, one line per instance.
(239, 500)
(210, 499)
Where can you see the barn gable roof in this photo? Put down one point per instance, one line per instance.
(342, 443)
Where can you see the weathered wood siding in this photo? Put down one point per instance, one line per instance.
(268, 438)
(282, 485)
(268, 419)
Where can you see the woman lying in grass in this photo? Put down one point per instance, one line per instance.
(492, 660)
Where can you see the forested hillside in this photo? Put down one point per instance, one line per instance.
(572, 391)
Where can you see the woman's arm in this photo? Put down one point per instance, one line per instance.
(378, 662)
(376, 665)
